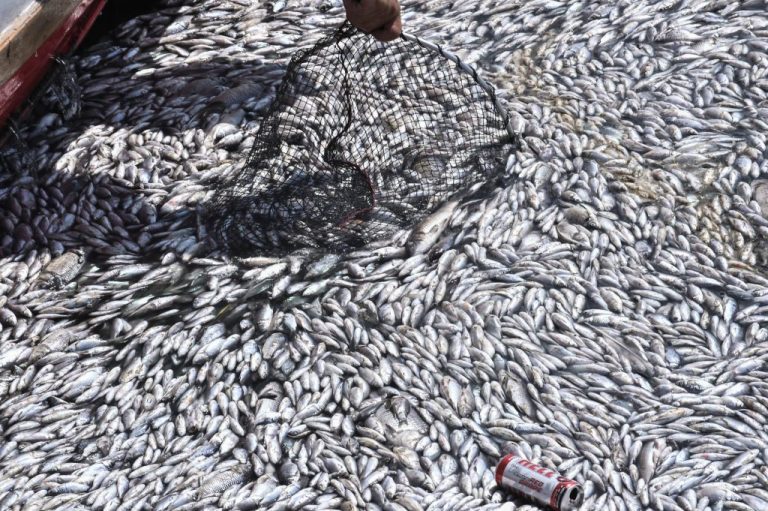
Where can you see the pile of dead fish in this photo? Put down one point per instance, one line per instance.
(604, 315)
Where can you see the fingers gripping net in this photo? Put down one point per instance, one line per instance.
(363, 139)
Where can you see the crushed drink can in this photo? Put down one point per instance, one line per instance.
(538, 483)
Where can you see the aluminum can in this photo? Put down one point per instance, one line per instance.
(539, 484)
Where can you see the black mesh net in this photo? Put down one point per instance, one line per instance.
(363, 139)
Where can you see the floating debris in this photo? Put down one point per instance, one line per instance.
(542, 485)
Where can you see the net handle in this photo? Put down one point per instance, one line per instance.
(466, 68)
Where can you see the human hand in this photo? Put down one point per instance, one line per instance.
(380, 18)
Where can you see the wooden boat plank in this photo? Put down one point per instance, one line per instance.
(21, 38)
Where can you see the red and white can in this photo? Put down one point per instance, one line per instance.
(538, 483)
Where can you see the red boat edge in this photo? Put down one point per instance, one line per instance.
(68, 36)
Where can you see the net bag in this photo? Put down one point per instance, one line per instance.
(363, 139)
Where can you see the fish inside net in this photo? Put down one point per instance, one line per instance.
(363, 139)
